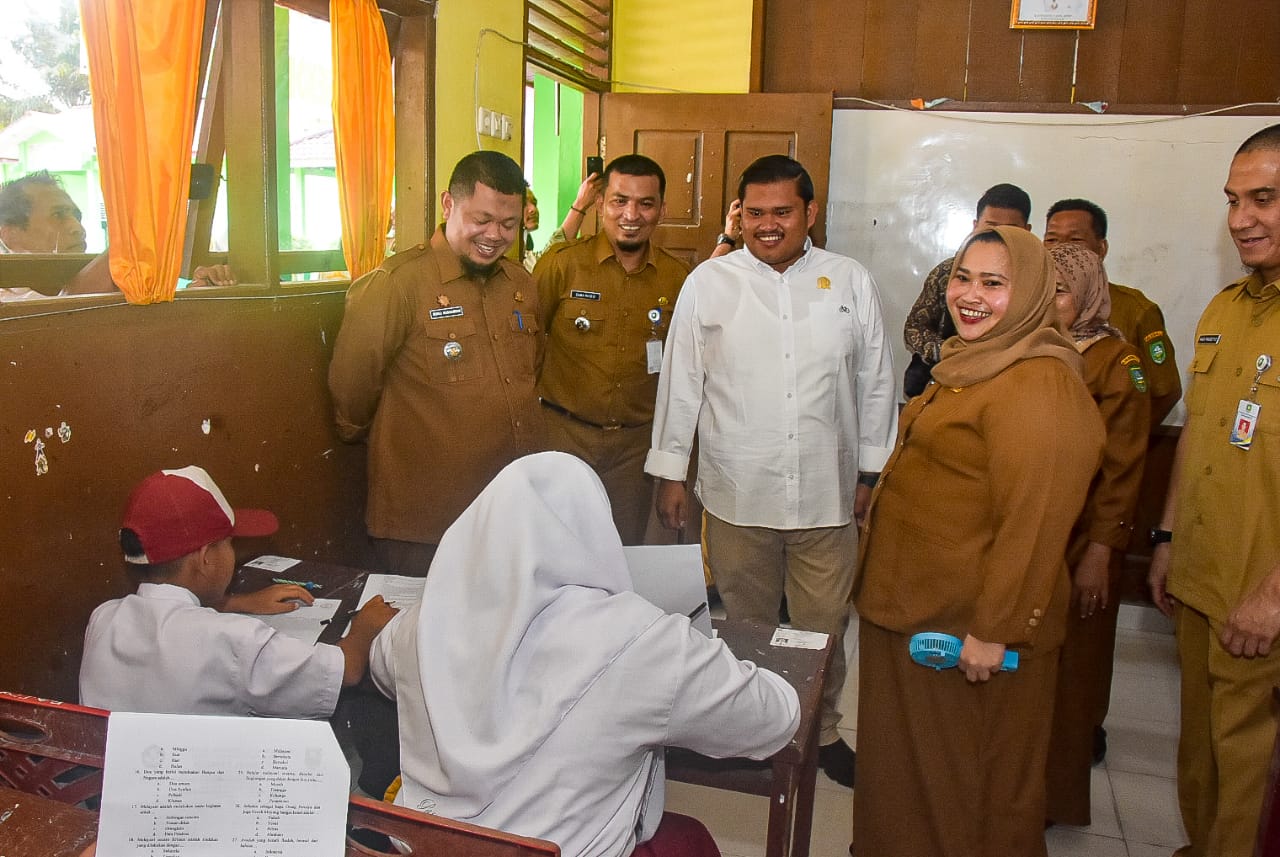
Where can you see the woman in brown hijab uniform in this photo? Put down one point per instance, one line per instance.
(966, 535)
(1113, 374)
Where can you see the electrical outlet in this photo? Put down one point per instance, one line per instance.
(502, 129)
(484, 122)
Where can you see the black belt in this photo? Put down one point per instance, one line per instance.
(571, 415)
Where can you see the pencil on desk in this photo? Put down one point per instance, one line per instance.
(309, 585)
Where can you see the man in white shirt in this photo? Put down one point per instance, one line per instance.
(777, 356)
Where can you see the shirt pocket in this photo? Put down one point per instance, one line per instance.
(453, 350)
(1198, 392)
(831, 329)
(580, 321)
(1269, 399)
(524, 341)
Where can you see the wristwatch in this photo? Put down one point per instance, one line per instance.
(1160, 537)
(725, 239)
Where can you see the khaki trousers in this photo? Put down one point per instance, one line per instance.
(617, 457)
(754, 566)
(1228, 731)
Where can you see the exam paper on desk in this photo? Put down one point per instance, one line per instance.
(307, 622)
(187, 785)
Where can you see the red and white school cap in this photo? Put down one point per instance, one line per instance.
(177, 512)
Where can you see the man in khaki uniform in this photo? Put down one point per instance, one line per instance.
(435, 365)
(1132, 313)
(1216, 568)
(606, 305)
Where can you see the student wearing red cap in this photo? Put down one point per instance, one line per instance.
(165, 649)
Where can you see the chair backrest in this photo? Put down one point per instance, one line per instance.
(56, 749)
(53, 749)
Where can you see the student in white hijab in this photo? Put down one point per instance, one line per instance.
(536, 691)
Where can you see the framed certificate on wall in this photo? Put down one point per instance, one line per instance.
(1053, 14)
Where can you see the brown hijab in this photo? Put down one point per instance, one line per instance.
(1028, 328)
(1081, 271)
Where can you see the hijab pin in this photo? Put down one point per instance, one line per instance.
(443, 300)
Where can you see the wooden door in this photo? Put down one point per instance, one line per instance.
(704, 142)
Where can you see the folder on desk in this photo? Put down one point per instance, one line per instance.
(670, 577)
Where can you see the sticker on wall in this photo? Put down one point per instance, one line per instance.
(48, 431)
(206, 426)
(42, 463)
(64, 432)
(30, 436)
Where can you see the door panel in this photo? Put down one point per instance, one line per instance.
(703, 143)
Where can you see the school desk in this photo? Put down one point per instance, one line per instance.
(787, 778)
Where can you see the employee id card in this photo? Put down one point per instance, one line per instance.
(1245, 422)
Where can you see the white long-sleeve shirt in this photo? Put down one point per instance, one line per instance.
(788, 380)
(160, 651)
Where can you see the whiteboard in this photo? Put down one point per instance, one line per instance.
(904, 186)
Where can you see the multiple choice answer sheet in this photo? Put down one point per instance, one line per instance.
(196, 786)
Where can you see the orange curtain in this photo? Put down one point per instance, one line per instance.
(364, 130)
(143, 59)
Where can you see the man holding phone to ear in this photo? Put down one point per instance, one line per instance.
(605, 304)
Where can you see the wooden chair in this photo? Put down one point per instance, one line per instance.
(56, 750)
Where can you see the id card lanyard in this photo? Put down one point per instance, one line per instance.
(1249, 410)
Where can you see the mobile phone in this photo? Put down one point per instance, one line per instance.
(595, 164)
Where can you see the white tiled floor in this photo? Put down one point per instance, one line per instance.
(1135, 809)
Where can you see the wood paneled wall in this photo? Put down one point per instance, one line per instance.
(1143, 55)
(135, 386)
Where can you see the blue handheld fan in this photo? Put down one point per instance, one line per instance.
(942, 651)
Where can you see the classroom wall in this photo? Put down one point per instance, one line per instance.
(234, 384)
(501, 78)
(1141, 53)
(904, 185)
(682, 45)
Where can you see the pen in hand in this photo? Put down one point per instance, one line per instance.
(344, 616)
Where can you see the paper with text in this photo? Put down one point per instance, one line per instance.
(195, 786)
(397, 589)
(272, 563)
(307, 621)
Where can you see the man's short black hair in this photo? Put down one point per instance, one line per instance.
(1095, 211)
(15, 205)
(1266, 139)
(636, 165)
(777, 168)
(491, 169)
(1005, 195)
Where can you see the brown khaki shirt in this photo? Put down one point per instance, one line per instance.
(1226, 529)
(437, 369)
(967, 530)
(597, 368)
(1114, 375)
(1142, 323)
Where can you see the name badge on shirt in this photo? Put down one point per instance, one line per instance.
(653, 356)
(586, 296)
(446, 312)
(1246, 421)
(1209, 339)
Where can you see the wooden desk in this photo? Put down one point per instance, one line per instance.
(34, 826)
(789, 777)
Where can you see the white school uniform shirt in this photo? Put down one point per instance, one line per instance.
(536, 692)
(788, 380)
(159, 651)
